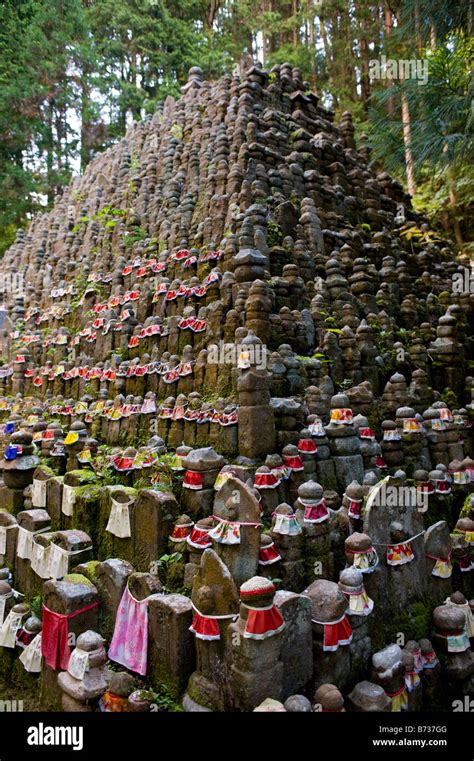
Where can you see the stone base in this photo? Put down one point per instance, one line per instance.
(11, 500)
(257, 434)
(250, 689)
(348, 469)
(327, 474)
(198, 504)
(190, 706)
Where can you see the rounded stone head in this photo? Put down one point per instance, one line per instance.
(329, 698)
(297, 704)
(351, 579)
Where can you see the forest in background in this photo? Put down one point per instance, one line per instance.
(74, 73)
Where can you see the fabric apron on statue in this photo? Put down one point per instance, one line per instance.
(9, 629)
(55, 634)
(31, 656)
(129, 644)
(38, 493)
(68, 500)
(119, 519)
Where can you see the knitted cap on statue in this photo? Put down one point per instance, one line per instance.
(311, 497)
(263, 618)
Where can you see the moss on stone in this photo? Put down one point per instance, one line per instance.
(317, 550)
(22, 687)
(104, 545)
(175, 577)
(198, 696)
(89, 493)
(414, 622)
(50, 700)
(106, 625)
(449, 397)
(86, 510)
(25, 686)
(7, 659)
(83, 476)
(90, 569)
(77, 578)
(47, 470)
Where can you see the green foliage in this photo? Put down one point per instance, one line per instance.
(37, 606)
(176, 131)
(449, 397)
(164, 700)
(41, 49)
(275, 236)
(441, 130)
(164, 567)
(74, 73)
(134, 236)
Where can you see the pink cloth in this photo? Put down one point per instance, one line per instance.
(129, 645)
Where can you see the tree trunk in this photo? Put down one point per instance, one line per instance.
(364, 60)
(50, 152)
(388, 31)
(453, 202)
(419, 41)
(85, 153)
(409, 163)
(211, 13)
(328, 56)
(346, 43)
(294, 9)
(271, 36)
(312, 42)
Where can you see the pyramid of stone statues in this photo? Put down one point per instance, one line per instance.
(235, 412)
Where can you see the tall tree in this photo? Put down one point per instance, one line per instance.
(19, 117)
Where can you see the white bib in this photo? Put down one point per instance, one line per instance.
(58, 562)
(69, 498)
(3, 602)
(31, 656)
(24, 545)
(40, 560)
(9, 629)
(119, 519)
(78, 663)
(38, 493)
(287, 525)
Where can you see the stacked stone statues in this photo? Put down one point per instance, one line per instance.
(235, 424)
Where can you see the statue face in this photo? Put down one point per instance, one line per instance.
(397, 532)
(205, 599)
(231, 509)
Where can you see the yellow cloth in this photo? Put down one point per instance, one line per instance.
(400, 702)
